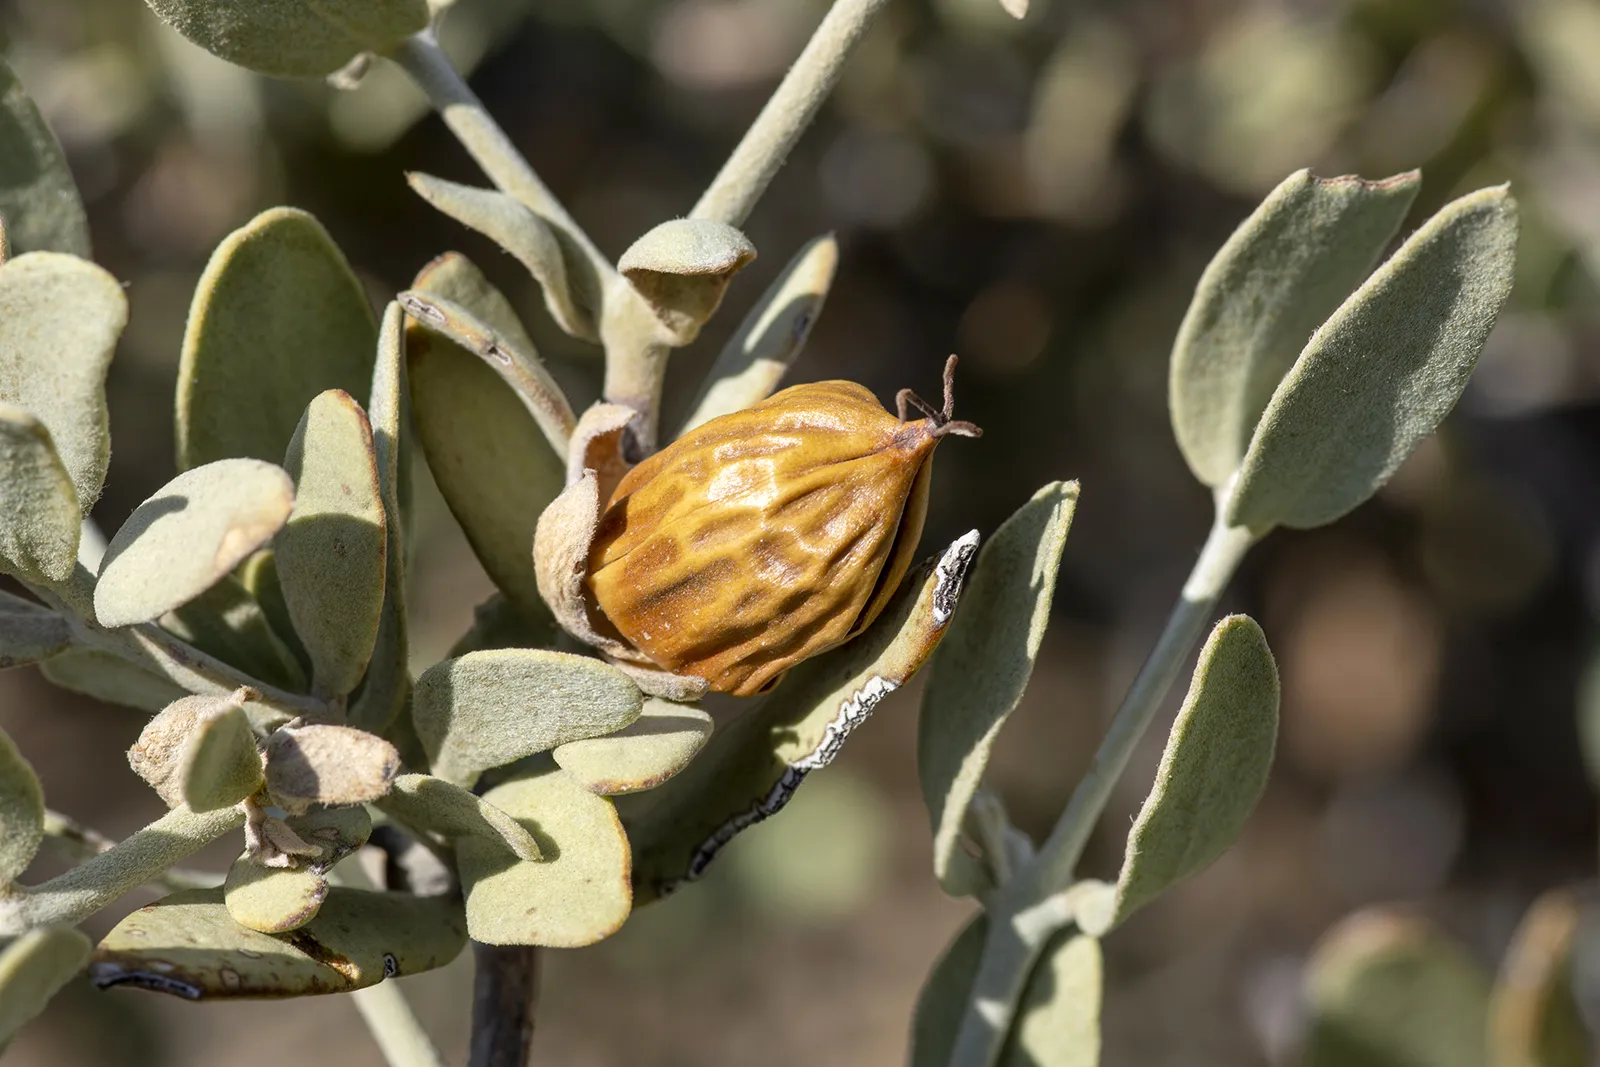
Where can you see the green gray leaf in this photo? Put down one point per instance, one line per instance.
(1534, 1018)
(220, 763)
(494, 467)
(60, 317)
(1214, 768)
(1382, 372)
(188, 945)
(488, 709)
(647, 752)
(29, 633)
(1284, 270)
(1058, 1018)
(429, 803)
(227, 622)
(1386, 989)
(33, 968)
(273, 900)
(682, 267)
(293, 38)
(578, 894)
(21, 812)
(525, 235)
(259, 576)
(188, 536)
(278, 317)
(388, 681)
(111, 678)
(749, 770)
(324, 764)
(944, 996)
(39, 201)
(332, 553)
(759, 353)
(39, 516)
(977, 677)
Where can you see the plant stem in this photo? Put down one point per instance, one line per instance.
(748, 171)
(422, 58)
(395, 1028)
(504, 993)
(82, 842)
(140, 858)
(1024, 915)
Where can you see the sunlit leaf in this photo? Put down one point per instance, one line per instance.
(293, 38)
(642, 755)
(21, 812)
(32, 969)
(39, 201)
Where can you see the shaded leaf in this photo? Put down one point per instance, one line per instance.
(273, 900)
(489, 709)
(33, 968)
(220, 763)
(1534, 1019)
(293, 38)
(576, 895)
(188, 945)
(429, 803)
(29, 633)
(39, 516)
(749, 770)
(1214, 768)
(39, 201)
(525, 235)
(682, 267)
(759, 353)
(177, 742)
(944, 996)
(277, 318)
(60, 317)
(1385, 989)
(322, 764)
(498, 623)
(1284, 270)
(225, 621)
(650, 750)
(332, 554)
(388, 681)
(494, 467)
(977, 677)
(1058, 1018)
(21, 812)
(259, 576)
(1382, 372)
(111, 679)
(188, 536)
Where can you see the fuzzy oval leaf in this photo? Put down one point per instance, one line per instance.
(1058, 1019)
(759, 353)
(944, 996)
(322, 764)
(39, 517)
(488, 709)
(431, 803)
(29, 633)
(650, 750)
(388, 681)
(682, 267)
(273, 900)
(39, 201)
(164, 754)
(1386, 989)
(33, 968)
(1284, 270)
(1214, 768)
(21, 811)
(978, 675)
(576, 895)
(525, 235)
(293, 38)
(1382, 372)
(332, 555)
(189, 946)
(111, 678)
(749, 770)
(60, 317)
(278, 317)
(188, 536)
(494, 467)
(1534, 1019)
(227, 622)
(220, 763)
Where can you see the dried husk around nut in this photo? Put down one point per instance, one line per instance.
(766, 536)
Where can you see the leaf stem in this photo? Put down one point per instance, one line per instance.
(140, 858)
(732, 195)
(395, 1027)
(504, 993)
(1025, 914)
(81, 842)
(422, 58)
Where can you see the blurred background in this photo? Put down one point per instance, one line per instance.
(1039, 197)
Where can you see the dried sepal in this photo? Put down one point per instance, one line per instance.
(561, 544)
(323, 764)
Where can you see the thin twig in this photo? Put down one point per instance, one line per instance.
(732, 195)
(79, 842)
(505, 991)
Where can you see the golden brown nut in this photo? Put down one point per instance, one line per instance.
(764, 537)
